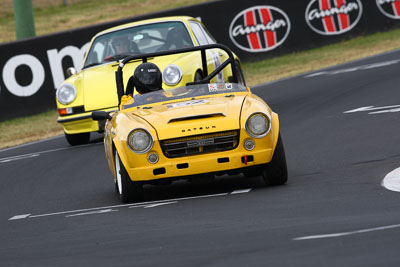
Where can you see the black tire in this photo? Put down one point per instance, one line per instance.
(275, 172)
(77, 139)
(128, 190)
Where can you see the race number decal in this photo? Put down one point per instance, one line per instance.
(216, 62)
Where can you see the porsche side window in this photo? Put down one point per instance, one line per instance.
(98, 52)
(176, 38)
(201, 38)
(210, 38)
(95, 54)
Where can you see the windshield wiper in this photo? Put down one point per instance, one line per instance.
(117, 57)
(91, 65)
(109, 59)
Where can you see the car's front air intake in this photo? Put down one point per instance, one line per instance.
(200, 144)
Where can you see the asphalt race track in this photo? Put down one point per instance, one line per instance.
(340, 128)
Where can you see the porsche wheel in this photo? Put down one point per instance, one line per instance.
(77, 139)
(275, 172)
(128, 191)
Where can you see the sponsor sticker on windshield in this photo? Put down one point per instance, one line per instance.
(212, 87)
(217, 87)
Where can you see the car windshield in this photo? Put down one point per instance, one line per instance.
(149, 38)
(191, 91)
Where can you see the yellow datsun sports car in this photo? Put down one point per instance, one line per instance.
(191, 132)
(92, 88)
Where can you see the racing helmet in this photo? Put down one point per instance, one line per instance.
(147, 78)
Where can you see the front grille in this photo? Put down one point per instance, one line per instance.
(200, 144)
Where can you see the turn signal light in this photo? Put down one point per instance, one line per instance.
(65, 111)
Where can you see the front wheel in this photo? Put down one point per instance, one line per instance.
(275, 172)
(77, 139)
(127, 189)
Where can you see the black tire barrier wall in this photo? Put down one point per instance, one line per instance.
(32, 69)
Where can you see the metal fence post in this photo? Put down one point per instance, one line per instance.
(24, 22)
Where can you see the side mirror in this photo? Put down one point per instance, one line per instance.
(71, 71)
(100, 116)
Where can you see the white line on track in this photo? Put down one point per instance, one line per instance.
(142, 204)
(4, 160)
(18, 217)
(35, 154)
(159, 204)
(146, 206)
(98, 210)
(348, 233)
(352, 69)
(31, 143)
(92, 212)
(392, 180)
(242, 191)
(394, 108)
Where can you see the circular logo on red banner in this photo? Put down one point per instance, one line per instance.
(259, 28)
(390, 8)
(333, 17)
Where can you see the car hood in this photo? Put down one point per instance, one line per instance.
(99, 89)
(193, 116)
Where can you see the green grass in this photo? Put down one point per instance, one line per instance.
(330, 55)
(81, 13)
(28, 129)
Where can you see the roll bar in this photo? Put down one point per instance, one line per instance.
(144, 57)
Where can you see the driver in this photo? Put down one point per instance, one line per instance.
(121, 45)
(146, 78)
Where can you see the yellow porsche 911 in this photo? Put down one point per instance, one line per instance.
(93, 87)
(192, 132)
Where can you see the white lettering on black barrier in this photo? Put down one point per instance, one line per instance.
(345, 9)
(38, 73)
(270, 26)
(55, 60)
(259, 28)
(327, 17)
(390, 8)
(386, 1)
(10, 81)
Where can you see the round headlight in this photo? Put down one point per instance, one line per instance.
(249, 144)
(258, 125)
(140, 141)
(172, 75)
(152, 158)
(66, 94)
